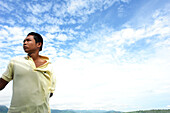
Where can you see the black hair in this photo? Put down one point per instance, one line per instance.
(37, 37)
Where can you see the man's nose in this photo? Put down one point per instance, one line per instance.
(24, 43)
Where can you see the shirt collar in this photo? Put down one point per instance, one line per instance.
(43, 57)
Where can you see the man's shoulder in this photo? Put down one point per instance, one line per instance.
(18, 58)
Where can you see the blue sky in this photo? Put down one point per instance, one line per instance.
(107, 54)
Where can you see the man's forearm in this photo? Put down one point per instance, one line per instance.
(3, 83)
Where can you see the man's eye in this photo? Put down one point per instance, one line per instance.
(26, 40)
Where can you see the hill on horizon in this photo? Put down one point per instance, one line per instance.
(84, 111)
(4, 109)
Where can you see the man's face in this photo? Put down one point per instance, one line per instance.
(30, 45)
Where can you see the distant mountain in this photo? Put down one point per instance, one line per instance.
(83, 111)
(3, 109)
(113, 112)
(62, 111)
(90, 111)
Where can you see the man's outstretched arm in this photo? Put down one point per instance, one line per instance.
(3, 83)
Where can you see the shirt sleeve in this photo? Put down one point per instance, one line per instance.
(8, 74)
(53, 82)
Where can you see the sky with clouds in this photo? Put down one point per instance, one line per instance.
(107, 54)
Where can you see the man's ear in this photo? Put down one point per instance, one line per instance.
(39, 44)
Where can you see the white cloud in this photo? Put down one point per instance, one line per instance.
(14, 30)
(51, 28)
(100, 71)
(75, 7)
(91, 82)
(27, 30)
(62, 37)
(54, 12)
(88, 7)
(80, 9)
(8, 21)
(50, 51)
(120, 11)
(5, 7)
(126, 1)
(3, 33)
(39, 8)
(60, 9)
(34, 20)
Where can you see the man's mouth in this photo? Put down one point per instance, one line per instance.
(25, 47)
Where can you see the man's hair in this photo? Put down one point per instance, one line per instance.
(38, 38)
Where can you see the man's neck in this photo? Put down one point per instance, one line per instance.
(34, 56)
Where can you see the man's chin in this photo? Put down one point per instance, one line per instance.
(26, 51)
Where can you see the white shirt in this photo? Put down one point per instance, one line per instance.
(31, 86)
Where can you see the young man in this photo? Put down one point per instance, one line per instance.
(33, 79)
